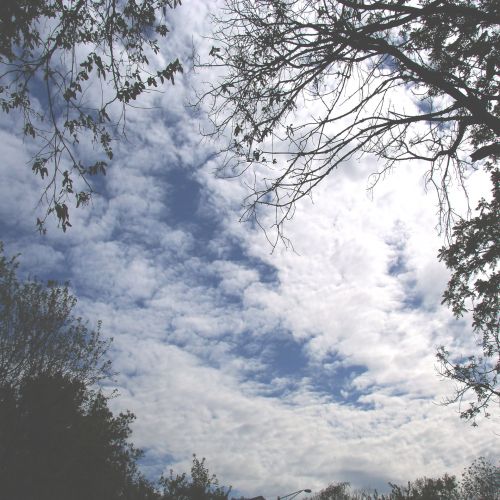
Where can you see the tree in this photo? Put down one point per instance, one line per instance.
(444, 488)
(52, 53)
(474, 285)
(334, 491)
(349, 62)
(481, 480)
(58, 438)
(40, 334)
(399, 79)
(60, 441)
(201, 485)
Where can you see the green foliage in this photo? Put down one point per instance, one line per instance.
(58, 438)
(473, 258)
(343, 491)
(60, 441)
(40, 334)
(480, 481)
(51, 53)
(201, 485)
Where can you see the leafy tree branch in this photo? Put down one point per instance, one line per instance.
(54, 55)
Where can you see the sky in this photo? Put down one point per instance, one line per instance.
(286, 368)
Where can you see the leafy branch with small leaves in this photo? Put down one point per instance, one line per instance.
(52, 54)
(473, 258)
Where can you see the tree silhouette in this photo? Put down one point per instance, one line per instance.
(474, 286)
(60, 441)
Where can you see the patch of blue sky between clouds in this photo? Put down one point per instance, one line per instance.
(400, 269)
(190, 211)
(286, 365)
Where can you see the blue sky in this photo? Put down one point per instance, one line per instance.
(285, 369)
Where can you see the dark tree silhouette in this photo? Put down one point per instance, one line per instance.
(443, 488)
(334, 491)
(60, 441)
(58, 438)
(54, 55)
